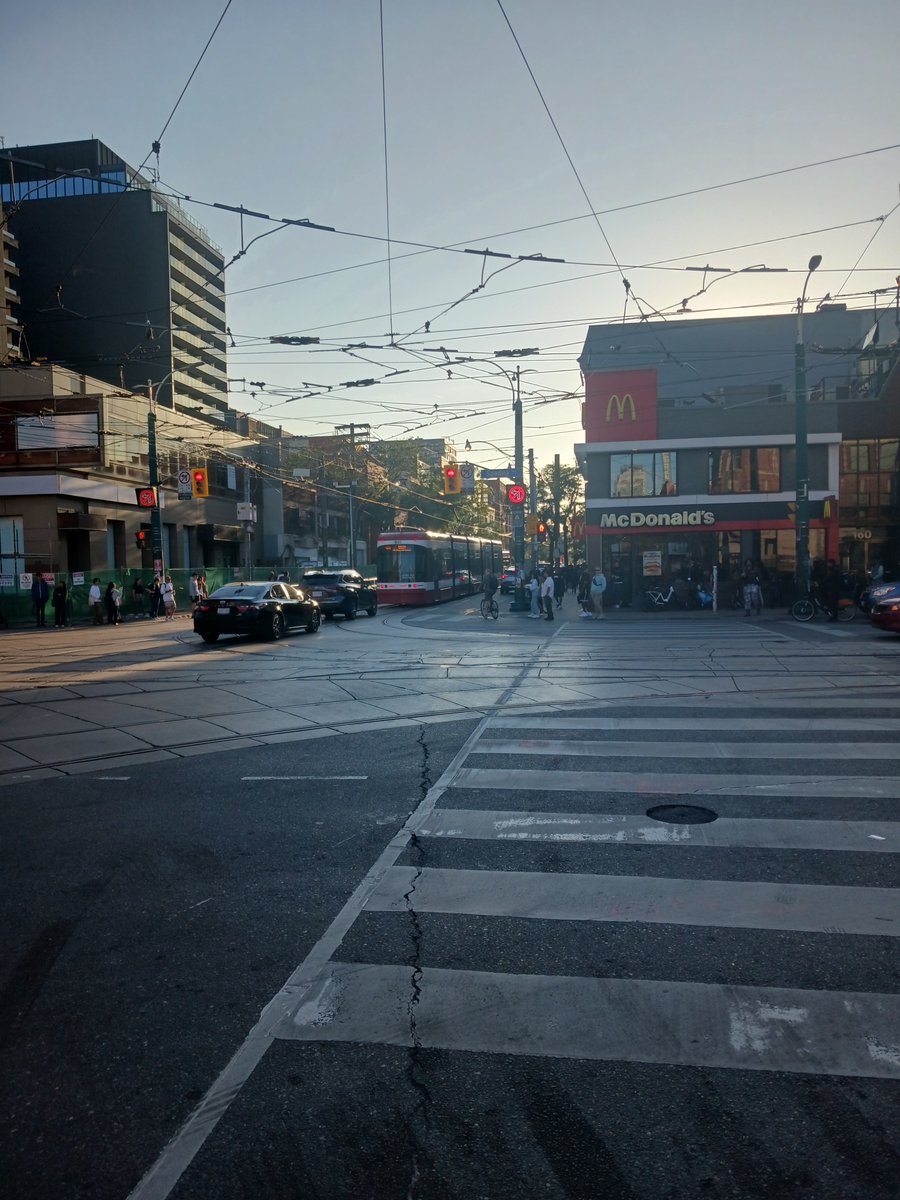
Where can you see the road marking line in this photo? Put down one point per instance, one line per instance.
(669, 784)
(868, 751)
(620, 1020)
(643, 899)
(619, 828)
(703, 724)
(244, 778)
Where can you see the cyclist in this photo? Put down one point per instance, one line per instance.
(489, 585)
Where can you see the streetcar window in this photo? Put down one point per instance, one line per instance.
(403, 564)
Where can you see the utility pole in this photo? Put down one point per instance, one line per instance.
(156, 542)
(518, 514)
(248, 525)
(557, 498)
(801, 452)
(532, 505)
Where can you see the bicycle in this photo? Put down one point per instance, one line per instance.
(806, 608)
(657, 598)
(490, 609)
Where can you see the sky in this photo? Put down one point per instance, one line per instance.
(612, 136)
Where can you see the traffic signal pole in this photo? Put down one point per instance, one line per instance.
(156, 541)
(519, 604)
(532, 506)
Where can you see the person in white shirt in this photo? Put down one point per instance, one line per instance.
(167, 592)
(96, 602)
(547, 593)
(598, 587)
(534, 589)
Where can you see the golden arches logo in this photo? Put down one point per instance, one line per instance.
(626, 402)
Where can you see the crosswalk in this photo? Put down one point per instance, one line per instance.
(792, 842)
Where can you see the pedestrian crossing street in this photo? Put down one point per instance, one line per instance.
(789, 851)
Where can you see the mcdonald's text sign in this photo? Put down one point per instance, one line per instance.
(620, 406)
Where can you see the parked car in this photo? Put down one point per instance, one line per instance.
(342, 592)
(266, 610)
(885, 611)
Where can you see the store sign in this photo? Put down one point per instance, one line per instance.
(651, 520)
(620, 406)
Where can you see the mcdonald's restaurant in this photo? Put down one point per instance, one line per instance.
(690, 460)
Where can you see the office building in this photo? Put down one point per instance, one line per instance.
(117, 280)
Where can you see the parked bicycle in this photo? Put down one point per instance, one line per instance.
(806, 608)
(657, 598)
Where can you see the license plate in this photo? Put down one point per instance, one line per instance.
(318, 594)
(223, 612)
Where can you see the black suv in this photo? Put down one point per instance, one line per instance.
(342, 591)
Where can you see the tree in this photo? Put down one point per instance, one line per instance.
(560, 497)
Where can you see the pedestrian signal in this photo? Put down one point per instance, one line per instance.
(452, 480)
(541, 531)
(199, 484)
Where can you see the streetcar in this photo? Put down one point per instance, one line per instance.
(418, 567)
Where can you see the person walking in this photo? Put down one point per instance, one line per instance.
(534, 589)
(109, 603)
(155, 597)
(202, 589)
(598, 587)
(752, 589)
(137, 597)
(167, 593)
(59, 602)
(40, 594)
(193, 592)
(547, 590)
(96, 602)
(583, 594)
(559, 586)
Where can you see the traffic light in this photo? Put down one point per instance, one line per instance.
(541, 531)
(141, 539)
(452, 480)
(199, 484)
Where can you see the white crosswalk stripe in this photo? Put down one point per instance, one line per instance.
(691, 1022)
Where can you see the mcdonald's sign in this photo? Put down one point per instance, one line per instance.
(623, 405)
(620, 406)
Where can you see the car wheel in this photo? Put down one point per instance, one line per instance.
(372, 609)
(277, 630)
(210, 637)
(350, 610)
(328, 616)
(314, 622)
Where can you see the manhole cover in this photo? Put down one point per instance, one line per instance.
(682, 814)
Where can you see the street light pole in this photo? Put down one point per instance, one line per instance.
(519, 513)
(156, 542)
(801, 442)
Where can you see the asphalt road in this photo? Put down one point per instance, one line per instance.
(463, 961)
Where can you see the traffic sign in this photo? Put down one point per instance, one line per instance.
(467, 478)
(146, 497)
(185, 490)
(516, 494)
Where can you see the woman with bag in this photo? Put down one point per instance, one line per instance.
(598, 587)
(167, 593)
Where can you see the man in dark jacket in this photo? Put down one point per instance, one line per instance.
(40, 594)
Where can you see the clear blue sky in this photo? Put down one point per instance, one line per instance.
(284, 116)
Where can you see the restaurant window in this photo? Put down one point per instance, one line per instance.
(753, 469)
(643, 474)
(870, 471)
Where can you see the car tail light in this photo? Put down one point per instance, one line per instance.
(248, 607)
(204, 607)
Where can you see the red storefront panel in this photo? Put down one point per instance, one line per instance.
(620, 406)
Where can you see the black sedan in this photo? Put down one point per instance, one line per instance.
(344, 592)
(266, 610)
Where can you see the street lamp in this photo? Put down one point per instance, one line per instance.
(801, 451)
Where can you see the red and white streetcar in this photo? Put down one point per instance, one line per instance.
(418, 567)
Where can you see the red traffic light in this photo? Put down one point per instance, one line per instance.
(450, 472)
(199, 476)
